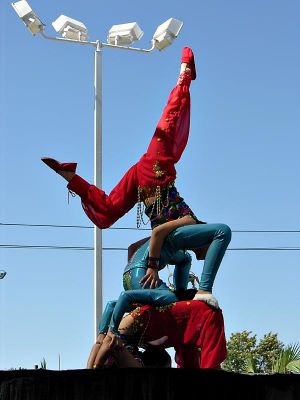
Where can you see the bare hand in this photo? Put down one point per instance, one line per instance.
(100, 339)
(116, 343)
(151, 278)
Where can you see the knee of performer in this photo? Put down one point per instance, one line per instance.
(124, 296)
(111, 303)
(225, 231)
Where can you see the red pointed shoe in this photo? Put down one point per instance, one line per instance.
(57, 166)
(188, 57)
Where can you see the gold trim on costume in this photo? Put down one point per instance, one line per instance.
(156, 168)
(127, 280)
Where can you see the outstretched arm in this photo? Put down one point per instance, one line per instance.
(95, 350)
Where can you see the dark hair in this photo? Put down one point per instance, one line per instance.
(188, 294)
(156, 357)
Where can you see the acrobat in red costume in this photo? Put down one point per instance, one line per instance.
(155, 169)
(194, 329)
(151, 181)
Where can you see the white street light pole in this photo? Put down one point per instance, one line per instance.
(120, 36)
(98, 299)
(98, 182)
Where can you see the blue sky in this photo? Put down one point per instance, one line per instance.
(240, 166)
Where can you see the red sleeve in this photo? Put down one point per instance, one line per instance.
(102, 209)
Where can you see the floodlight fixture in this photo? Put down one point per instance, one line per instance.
(166, 33)
(70, 28)
(124, 34)
(28, 16)
(2, 274)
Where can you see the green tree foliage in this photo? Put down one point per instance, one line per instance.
(268, 350)
(240, 347)
(246, 355)
(288, 360)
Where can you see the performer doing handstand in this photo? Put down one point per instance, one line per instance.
(151, 181)
(134, 294)
(195, 330)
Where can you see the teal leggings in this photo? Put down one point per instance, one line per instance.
(191, 237)
(134, 292)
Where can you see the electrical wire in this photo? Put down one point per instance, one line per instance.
(138, 229)
(90, 248)
(68, 226)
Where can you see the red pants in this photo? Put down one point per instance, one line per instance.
(155, 167)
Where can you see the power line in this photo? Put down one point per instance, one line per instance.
(44, 247)
(266, 231)
(137, 229)
(264, 248)
(90, 248)
(46, 225)
(68, 226)
(47, 247)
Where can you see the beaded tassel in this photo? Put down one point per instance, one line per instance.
(158, 204)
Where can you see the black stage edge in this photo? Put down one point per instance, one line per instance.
(145, 384)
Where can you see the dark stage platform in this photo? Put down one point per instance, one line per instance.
(145, 384)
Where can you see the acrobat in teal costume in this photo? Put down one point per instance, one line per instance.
(172, 253)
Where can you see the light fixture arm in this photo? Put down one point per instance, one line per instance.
(129, 47)
(61, 39)
(98, 44)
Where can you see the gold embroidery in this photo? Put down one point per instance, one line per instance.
(140, 323)
(164, 308)
(156, 168)
(127, 280)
